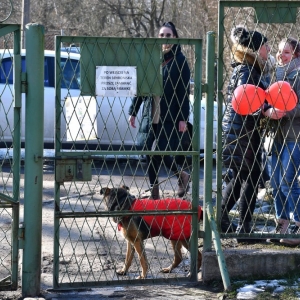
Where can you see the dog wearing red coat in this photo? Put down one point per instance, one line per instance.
(135, 229)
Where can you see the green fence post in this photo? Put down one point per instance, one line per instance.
(195, 162)
(16, 156)
(208, 163)
(208, 142)
(34, 131)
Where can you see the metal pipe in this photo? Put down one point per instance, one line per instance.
(33, 182)
(195, 162)
(208, 164)
(16, 156)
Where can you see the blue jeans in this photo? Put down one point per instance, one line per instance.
(284, 179)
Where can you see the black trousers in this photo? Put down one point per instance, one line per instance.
(242, 185)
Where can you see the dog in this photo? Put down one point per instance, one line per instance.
(135, 229)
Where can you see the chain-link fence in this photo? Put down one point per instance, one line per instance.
(96, 147)
(50, 39)
(9, 158)
(258, 89)
(108, 90)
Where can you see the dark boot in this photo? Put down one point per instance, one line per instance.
(155, 192)
(226, 225)
(293, 242)
(282, 227)
(245, 227)
(183, 183)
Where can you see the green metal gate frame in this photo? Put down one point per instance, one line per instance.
(60, 155)
(27, 236)
(11, 282)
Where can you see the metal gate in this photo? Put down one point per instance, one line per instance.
(95, 148)
(276, 20)
(10, 125)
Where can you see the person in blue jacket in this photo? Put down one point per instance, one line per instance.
(285, 157)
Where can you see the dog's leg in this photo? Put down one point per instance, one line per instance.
(176, 245)
(134, 244)
(199, 260)
(128, 259)
(139, 248)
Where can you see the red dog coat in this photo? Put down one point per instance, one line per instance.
(173, 227)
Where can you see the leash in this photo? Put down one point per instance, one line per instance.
(264, 124)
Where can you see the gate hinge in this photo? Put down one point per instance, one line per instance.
(21, 235)
(204, 87)
(24, 82)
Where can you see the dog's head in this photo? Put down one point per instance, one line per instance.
(117, 199)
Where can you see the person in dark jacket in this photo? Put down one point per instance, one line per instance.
(168, 114)
(241, 137)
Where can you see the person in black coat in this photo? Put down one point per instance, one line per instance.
(241, 137)
(165, 117)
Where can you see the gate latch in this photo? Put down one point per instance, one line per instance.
(73, 169)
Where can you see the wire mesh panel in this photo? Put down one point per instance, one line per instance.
(98, 151)
(258, 96)
(9, 155)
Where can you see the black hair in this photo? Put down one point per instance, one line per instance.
(172, 27)
(250, 39)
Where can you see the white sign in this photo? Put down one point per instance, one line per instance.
(81, 118)
(116, 81)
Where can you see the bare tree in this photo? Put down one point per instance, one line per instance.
(134, 18)
(10, 11)
(125, 18)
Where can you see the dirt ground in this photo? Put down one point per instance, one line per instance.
(90, 248)
(77, 258)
